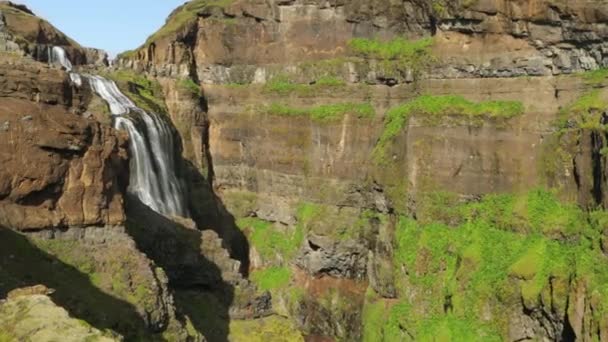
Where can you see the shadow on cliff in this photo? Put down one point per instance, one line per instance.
(197, 283)
(24, 264)
(209, 212)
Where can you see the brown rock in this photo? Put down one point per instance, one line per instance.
(58, 168)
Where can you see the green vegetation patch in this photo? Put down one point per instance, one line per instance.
(396, 55)
(398, 48)
(145, 92)
(596, 76)
(283, 85)
(433, 108)
(505, 248)
(584, 113)
(115, 273)
(271, 278)
(324, 113)
(338, 223)
(270, 241)
(190, 86)
(273, 328)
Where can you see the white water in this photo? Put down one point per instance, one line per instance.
(152, 170)
(57, 55)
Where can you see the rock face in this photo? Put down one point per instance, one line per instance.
(360, 170)
(321, 192)
(59, 168)
(475, 38)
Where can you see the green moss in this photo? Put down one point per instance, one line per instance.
(584, 113)
(114, 273)
(396, 55)
(5, 337)
(373, 319)
(273, 328)
(271, 278)
(324, 113)
(190, 86)
(432, 108)
(398, 48)
(144, 92)
(338, 224)
(240, 203)
(270, 241)
(530, 263)
(595, 76)
(504, 249)
(451, 328)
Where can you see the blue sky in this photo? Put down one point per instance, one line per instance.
(112, 25)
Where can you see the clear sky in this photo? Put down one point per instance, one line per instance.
(112, 25)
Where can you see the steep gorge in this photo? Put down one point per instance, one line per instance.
(358, 170)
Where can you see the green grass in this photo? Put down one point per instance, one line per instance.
(271, 278)
(114, 273)
(5, 337)
(373, 319)
(273, 328)
(324, 113)
(270, 241)
(434, 107)
(595, 76)
(394, 49)
(283, 85)
(337, 224)
(190, 86)
(506, 248)
(145, 92)
(584, 113)
(184, 16)
(396, 55)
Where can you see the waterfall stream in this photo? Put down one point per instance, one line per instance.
(152, 147)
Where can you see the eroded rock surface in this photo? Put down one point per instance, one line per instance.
(59, 168)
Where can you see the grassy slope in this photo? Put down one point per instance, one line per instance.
(494, 254)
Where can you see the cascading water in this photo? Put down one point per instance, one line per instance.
(152, 178)
(57, 55)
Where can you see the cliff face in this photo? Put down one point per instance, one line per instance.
(325, 127)
(59, 169)
(237, 40)
(356, 170)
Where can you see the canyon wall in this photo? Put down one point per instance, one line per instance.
(356, 170)
(326, 126)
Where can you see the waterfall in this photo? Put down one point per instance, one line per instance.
(152, 148)
(57, 55)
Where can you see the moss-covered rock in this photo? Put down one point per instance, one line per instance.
(37, 318)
